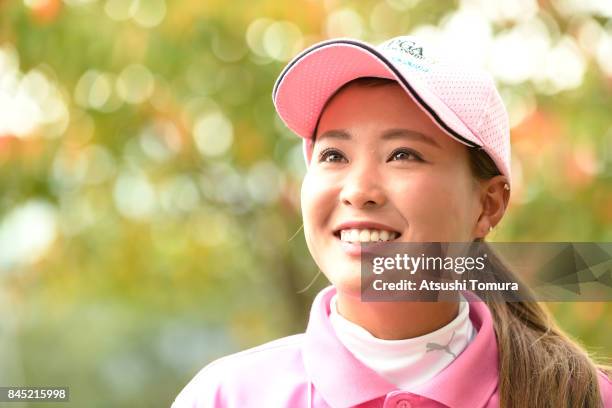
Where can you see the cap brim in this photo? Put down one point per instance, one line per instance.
(311, 78)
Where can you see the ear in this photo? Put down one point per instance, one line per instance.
(494, 199)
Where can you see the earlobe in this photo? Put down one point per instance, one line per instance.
(483, 228)
(483, 225)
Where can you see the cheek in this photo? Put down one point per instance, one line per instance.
(306, 205)
(421, 201)
(434, 208)
(315, 198)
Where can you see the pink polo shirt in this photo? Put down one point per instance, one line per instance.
(314, 369)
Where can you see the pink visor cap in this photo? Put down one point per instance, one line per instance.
(461, 100)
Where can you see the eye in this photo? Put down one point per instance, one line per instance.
(330, 155)
(405, 154)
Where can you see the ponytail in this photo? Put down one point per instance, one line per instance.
(539, 365)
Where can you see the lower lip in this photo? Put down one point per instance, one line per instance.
(355, 249)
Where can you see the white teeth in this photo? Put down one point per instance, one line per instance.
(366, 235)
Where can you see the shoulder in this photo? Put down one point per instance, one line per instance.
(240, 373)
(605, 388)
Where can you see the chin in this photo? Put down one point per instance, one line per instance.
(348, 281)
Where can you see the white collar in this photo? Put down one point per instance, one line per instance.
(406, 363)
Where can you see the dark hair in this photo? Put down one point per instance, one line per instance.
(539, 365)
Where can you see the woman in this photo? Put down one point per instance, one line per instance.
(401, 146)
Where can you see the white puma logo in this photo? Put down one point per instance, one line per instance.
(435, 346)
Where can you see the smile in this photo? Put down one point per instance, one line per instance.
(354, 235)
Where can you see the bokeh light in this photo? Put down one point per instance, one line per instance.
(213, 133)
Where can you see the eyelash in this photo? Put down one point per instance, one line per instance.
(328, 151)
(407, 151)
(325, 153)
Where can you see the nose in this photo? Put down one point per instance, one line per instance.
(361, 189)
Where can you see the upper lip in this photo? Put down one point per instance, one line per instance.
(364, 225)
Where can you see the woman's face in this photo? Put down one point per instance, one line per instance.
(382, 170)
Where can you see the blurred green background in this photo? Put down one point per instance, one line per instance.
(149, 195)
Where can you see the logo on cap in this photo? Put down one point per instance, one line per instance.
(411, 48)
(408, 52)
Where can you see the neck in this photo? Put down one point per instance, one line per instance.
(397, 320)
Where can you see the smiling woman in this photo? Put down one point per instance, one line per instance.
(401, 147)
(373, 166)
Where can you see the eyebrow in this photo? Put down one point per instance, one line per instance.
(391, 134)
